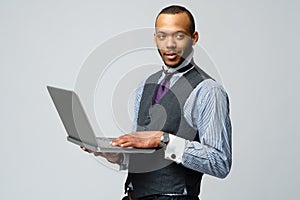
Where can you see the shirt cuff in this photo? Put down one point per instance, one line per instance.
(175, 148)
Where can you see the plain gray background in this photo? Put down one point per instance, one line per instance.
(255, 45)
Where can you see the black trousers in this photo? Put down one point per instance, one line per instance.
(162, 197)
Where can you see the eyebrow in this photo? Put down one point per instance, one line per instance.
(173, 33)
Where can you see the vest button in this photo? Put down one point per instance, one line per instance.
(173, 156)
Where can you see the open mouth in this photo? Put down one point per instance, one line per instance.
(171, 56)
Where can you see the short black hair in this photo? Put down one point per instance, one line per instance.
(176, 9)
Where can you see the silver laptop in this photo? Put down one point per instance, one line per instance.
(78, 127)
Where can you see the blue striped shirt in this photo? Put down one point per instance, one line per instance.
(206, 110)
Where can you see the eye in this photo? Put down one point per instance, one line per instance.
(161, 36)
(179, 36)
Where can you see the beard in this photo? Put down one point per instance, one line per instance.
(186, 53)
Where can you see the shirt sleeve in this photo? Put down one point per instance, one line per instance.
(207, 110)
(138, 97)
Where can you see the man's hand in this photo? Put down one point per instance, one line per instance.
(110, 157)
(142, 139)
(90, 151)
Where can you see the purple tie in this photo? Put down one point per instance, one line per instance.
(162, 88)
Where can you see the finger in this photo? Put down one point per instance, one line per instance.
(101, 154)
(108, 155)
(85, 149)
(116, 142)
(121, 140)
(97, 153)
(123, 137)
(113, 160)
(128, 144)
(113, 154)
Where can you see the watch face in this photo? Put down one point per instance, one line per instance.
(165, 138)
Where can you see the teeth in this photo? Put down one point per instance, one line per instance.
(171, 56)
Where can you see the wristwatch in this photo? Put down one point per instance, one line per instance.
(164, 140)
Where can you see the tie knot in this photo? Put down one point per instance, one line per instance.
(168, 73)
(168, 76)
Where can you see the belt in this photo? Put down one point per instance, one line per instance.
(175, 197)
(131, 196)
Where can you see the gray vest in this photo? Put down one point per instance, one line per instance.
(150, 173)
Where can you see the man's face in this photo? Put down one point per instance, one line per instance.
(173, 38)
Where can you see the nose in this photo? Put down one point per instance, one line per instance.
(171, 43)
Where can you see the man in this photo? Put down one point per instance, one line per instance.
(181, 111)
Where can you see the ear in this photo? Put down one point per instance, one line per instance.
(195, 37)
(155, 39)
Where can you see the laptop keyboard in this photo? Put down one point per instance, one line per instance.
(105, 142)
